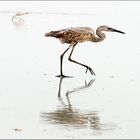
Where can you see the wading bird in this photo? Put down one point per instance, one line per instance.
(76, 35)
(17, 19)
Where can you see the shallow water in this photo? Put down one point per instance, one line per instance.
(34, 103)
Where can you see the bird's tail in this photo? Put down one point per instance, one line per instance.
(56, 34)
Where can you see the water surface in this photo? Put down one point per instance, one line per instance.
(34, 103)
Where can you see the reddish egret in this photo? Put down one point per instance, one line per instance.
(76, 35)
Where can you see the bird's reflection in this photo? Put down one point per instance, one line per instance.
(67, 115)
(77, 89)
(17, 19)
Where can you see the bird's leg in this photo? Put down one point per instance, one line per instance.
(61, 63)
(87, 67)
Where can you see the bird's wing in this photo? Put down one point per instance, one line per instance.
(78, 30)
(72, 34)
(82, 30)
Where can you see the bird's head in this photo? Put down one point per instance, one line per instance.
(109, 29)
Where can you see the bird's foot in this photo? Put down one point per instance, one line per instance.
(90, 70)
(90, 83)
(64, 76)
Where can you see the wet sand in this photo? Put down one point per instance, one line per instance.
(34, 103)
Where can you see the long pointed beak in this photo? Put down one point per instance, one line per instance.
(114, 30)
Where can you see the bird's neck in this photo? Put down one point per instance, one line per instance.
(100, 36)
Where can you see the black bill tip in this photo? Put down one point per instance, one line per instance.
(114, 30)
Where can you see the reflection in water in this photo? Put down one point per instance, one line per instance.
(17, 19)
(67, 115)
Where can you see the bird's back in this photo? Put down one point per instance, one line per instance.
(82, 30)
(72, 34)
